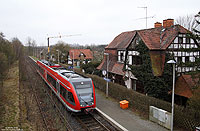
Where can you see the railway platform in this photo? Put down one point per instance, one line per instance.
(126, 118)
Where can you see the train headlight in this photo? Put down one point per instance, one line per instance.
(81, 105)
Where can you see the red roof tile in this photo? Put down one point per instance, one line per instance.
(118, 69)
(114, 66)
(122, 40)
(184, 85)
(155, 38)
(160, 38)
(77, 52)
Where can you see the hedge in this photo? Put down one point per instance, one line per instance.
(184, 118)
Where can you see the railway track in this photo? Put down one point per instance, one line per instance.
(41, 104)
(37, 101)
(73, 121)
(90, 123)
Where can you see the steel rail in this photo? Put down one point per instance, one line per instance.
(90, 123)
(57, 108)
(39, 106)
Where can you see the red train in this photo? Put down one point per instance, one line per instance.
(76, 92)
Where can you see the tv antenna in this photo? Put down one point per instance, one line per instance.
(145, 7)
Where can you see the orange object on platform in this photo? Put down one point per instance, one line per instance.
(124, 104)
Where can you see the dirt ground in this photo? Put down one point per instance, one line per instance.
(9, 96)
(18, 109)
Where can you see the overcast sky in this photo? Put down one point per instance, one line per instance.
(98, 21)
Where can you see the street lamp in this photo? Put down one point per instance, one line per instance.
(73, 60)
(58, 56)
(107, 74)
(173, 64)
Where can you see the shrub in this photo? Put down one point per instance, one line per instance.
(183, 117)
(90, 68)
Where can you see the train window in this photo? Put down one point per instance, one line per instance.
(51, 80)
(70, 98)
(67, 95)
(55, 68)
(84, 90)
(58, 86)
(62, 68)
(51, 64)
(62, 91)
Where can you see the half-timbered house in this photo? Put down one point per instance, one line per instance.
(163, 38)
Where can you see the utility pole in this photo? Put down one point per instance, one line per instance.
(73, 61)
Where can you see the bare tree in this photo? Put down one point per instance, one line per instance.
(31, 45)
(17, 47)
(188, 21)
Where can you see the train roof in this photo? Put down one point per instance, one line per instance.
(45, 62)
(63, 71)
(50, 63)
(67, 73)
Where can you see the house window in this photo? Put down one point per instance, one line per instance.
(171, 46)
(136, 60)
(175, 45)
(120, 56)
(192, 59)
(137, 41)
(188, 40)
(187, 46)
(180, 39)
(176, 40)
(187, 59)
(179, 60)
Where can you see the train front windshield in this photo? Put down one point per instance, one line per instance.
(84, 92)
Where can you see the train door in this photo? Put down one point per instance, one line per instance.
(58, 86)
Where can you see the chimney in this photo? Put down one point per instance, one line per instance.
(164, 23)
(157, 24)
(168, 23)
